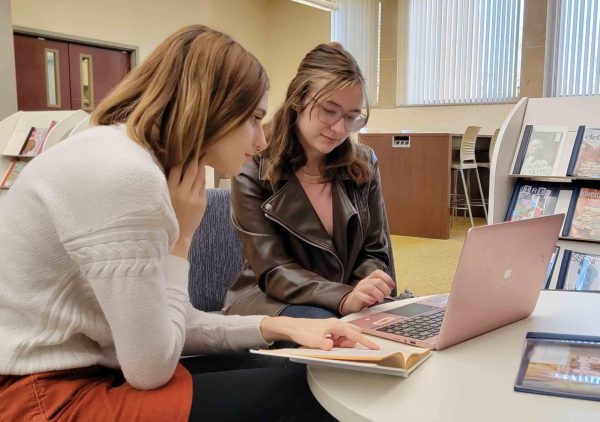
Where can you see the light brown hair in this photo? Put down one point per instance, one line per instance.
(194, 88)
(326, 69)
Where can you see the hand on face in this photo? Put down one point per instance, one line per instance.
(188, 196)
(315, 333)
(368, 291)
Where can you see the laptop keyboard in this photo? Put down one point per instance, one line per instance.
(419, 328)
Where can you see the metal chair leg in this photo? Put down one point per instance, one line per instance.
(454, 199)
(462, 174)
(481, 192)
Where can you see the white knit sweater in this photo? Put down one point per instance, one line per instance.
(85, 272)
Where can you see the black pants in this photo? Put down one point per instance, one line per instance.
(248, 387)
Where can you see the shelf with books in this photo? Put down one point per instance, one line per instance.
(26, 134)
(547, 161)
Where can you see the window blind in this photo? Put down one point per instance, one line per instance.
(463, 51)
(573, 67)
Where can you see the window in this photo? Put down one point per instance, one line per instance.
(354, 25)
(573, 59)
(462, 51)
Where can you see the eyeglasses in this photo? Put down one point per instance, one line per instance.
(330, 114)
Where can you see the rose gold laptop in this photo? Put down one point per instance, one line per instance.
(501, 270)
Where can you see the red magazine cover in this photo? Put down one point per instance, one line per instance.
(586, 217)
(588, 160)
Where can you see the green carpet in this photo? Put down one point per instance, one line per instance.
(426, 266)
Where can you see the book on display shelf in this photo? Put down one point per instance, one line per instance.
(551, 266)
(540, 150)
(579, 271)
(11, 173)
(585, 159)
(583, 218)
(535, 199)
(28, 143)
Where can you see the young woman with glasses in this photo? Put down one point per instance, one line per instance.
(309, 207)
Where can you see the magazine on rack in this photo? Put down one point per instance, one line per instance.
(540, 150)
(583, 218)
(11, 173)
(551, 266)
(579, 271)
(560, 365)
(532, 199)
(585, 160)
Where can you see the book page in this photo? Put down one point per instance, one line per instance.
(357, 353)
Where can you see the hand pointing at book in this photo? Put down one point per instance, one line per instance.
(314, 333)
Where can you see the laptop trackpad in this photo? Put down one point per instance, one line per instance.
(411, 310)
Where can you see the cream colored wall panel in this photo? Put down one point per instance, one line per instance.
(440, 118)
(293, 30)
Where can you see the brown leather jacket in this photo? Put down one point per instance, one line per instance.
(290, 258)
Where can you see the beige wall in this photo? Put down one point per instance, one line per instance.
(293, 30)
(278, 32)
(145, 23)
(452, 119)
(8, 83)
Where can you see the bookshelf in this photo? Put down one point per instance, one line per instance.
(14, 130)
(568, 112)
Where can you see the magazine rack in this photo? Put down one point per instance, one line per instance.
(557, 111)
(22, 121)
(70, 122)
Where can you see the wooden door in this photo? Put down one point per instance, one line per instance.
(94, 72)
(61, 75)
(42, 68)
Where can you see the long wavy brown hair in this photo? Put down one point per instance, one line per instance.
(194, 88)
(326, 69)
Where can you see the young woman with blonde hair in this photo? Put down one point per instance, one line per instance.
(93, 245)
(309, 208)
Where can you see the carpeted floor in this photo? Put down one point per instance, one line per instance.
(426, 266)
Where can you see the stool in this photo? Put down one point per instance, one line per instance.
(466, 163)
(490, 154)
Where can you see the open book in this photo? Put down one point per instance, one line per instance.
(399, 361)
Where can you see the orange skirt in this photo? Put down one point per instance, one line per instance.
(94, 393)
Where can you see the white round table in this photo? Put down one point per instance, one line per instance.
(471, 381)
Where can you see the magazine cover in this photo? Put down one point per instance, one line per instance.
(588, 157)
(533, 199)
(34, 142)
(540, 151)
(585, 221)
(563, 367)
(551, 266)
(11, 174)
(579, 271)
